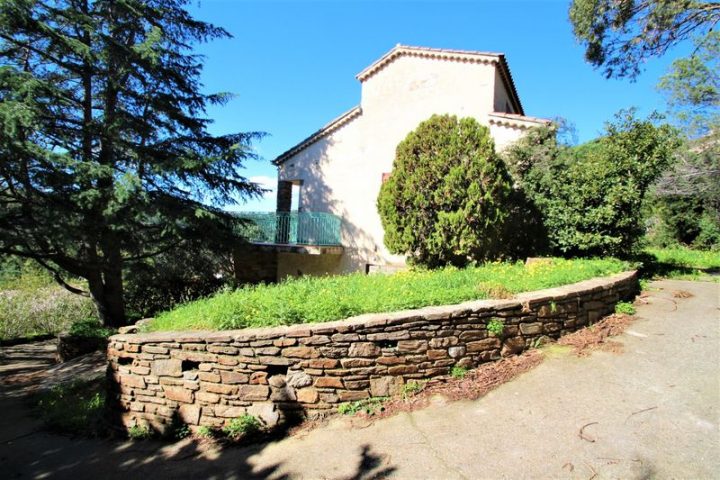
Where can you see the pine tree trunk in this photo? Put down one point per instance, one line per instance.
(107, 294)
(106, 286)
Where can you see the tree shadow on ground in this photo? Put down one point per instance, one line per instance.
(29, 451)
(651, 267)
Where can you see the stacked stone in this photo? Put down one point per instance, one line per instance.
(208, 378)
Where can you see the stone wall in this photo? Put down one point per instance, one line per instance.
(207, 378)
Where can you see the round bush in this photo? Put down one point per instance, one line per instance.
(446, 200)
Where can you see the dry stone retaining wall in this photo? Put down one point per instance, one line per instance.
(208, 378)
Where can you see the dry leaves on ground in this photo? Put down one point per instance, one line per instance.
(596, 336)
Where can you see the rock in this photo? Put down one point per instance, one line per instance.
(265, 412)
(207, 397)
(189, 414)
(258, 378)
(481, 345)
(329, 382)
(323, 363)
(283, 394)
(443, 342)
(70, 346)
(307, 395)
(412, 346)
(364, 349)
(351, 395)
(436, 354)
(456, 352)
(531, 328)
(385, 386)
(402, 369)
(356, 362)
(512, 346)
(300, 352)
(178, 394)
(233, 378)
(226, 411)
(253, 392)
(298, 379)
(277, 381)
(473, 335)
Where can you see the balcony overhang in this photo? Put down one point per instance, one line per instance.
(310, 233)
(300, 249)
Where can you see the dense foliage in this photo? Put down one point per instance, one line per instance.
(107, 158)
(446, 200)
(692, 88)
(320, 299)
(619, 35)
(591, 196)
(197, 270)
(32, 304)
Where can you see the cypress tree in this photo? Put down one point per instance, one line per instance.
(105, 154)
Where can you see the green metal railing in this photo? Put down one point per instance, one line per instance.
(291, 228)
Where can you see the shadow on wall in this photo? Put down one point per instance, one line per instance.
(318, 196)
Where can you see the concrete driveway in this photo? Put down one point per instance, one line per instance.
(650, 412)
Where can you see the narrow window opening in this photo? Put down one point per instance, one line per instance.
(125, 361)
(273, 370)
(188, 366)
(386, 343)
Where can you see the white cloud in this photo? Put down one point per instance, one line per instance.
(266, 203)
(268, 183)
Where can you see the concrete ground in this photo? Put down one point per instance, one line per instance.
(650, 412)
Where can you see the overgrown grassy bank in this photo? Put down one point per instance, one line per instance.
(321, 299)
(682, 263)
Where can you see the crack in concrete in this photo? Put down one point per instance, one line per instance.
(435, 452)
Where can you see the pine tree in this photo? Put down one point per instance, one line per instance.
(105, 153)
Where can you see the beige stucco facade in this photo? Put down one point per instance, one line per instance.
(341, 167)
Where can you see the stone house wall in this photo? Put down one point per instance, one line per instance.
(208, 378)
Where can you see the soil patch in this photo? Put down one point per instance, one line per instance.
(595, 337)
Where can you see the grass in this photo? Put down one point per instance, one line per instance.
(31, 305)
(682, 263)
(458, 372)
(321, 299)
(369, 406)
(626, 308)
(76, 408)
(140, 432)
(241, 426)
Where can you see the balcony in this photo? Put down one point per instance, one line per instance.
(295, 232)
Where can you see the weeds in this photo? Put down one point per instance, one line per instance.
(75, 408)
(139, 432)
(321, 299)
(411, 388)
(369, 406)
(496, 326)
(206, 432)
(458, 372)
(241, 427)
(626, 308)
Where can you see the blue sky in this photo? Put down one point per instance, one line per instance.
(292, 64)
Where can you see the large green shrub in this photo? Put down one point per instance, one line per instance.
(591, 196)
(446, 199)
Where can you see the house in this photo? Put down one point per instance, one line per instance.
(326, 219)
